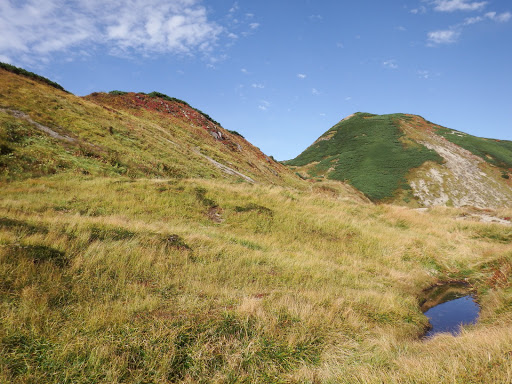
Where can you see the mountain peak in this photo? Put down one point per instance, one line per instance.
(405, 159)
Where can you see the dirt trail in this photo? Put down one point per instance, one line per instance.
(49, 131)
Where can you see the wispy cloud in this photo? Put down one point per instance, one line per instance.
(452, 34)
(257, 85)
(264, 105)
(36, 28)
(418, 11)
(458, 5)
(390, 64)
(443, 37)
(235, 7)
(500, 18)
(301, 76)
(315, 91)
(423, 74)
(5, 59)
(254, 25)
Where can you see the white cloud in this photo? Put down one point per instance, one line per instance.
(5, 59)
(315, 17)
(472, 20)
(348, 98)
(498, 18)
(452, 34)
(423, 74)
(390, 64)
(36, 28)
(458, 5)
(301, 76)
(254, 25)
(244, 71)
(401, 28)
(448, 36)
(315, 91)
(234, 8)
(264, 105)
(257, 85)
(419, 10)
(502, 18)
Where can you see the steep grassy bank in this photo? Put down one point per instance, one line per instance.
(186, 280)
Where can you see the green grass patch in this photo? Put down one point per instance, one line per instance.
(498, 233)
(38, 254)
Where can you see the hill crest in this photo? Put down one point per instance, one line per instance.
(405, 159)
(46, 131)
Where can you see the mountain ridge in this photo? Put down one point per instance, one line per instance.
(401, 158)
(48, 131)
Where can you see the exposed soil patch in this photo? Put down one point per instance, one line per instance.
(484, 218)
(215, 214)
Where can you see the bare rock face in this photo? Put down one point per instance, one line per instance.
(462, 180)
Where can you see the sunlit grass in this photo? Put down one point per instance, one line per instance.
(139, 284)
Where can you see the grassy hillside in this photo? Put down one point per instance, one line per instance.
(135, 280)
(46, 131)
(30, 75)
(369, 151)
(130, 254)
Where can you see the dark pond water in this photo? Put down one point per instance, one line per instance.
(448, 307)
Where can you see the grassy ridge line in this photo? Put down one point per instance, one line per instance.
(110, 140)
(163, 96)
(369, 152)
(31, 75)
(117, 280)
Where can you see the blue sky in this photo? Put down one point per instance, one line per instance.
(279, 72)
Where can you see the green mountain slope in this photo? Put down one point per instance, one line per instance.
(403, 158)
(367, 150)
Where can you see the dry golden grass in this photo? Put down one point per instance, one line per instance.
(118, 280)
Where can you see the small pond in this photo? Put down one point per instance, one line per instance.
(448, 307)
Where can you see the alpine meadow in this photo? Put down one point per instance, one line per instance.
(141, 242)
